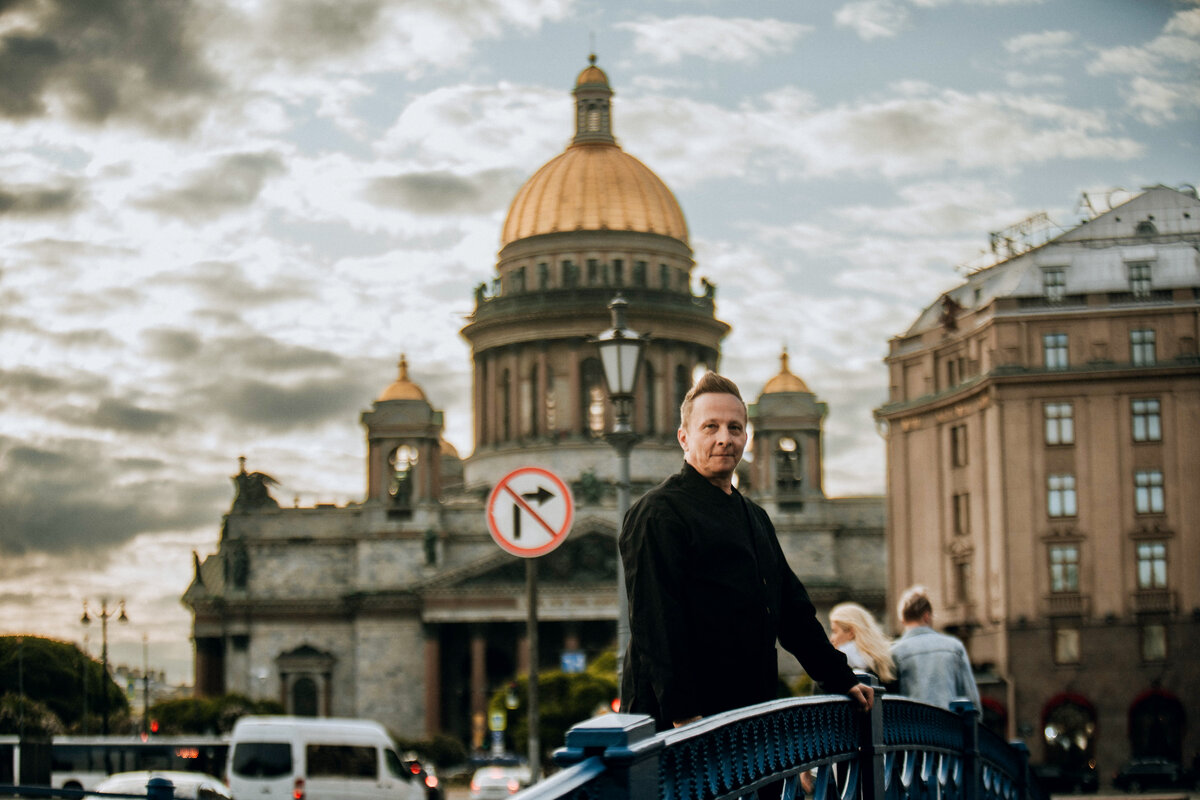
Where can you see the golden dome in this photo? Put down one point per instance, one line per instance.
(448, 449)
(594, 185)
(591, 73)
(403, 388)
(785, 381)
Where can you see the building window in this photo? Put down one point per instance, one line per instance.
(1054, 351)
(518, 280)
(1139, 279)
(962, 514)
(1147, 423)
(1064, 568)
(1060, 500)
(1066, 646)
(1060, 423)
(1054, 284)
(618, 272)
(664, 276)
(1154, 641)
(570, 274)
(958, 446)
(593, 271)
(639, 273)
(543, 275)
(1152, 565)
(1148, 491)
(962, 581)
(1141, 347)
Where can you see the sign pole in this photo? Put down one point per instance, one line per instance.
(535, 746)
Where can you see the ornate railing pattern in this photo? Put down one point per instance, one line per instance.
(901, 750)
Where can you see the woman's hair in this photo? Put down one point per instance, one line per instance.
(869, 637)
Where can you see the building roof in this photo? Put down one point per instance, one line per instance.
(1157, 226)
(785, 381)
(594, 185)
(403, 388)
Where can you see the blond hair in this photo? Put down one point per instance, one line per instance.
(869, 637)
(709, 383)
(914, 604)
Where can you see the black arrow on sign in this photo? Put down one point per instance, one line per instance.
(541, 495)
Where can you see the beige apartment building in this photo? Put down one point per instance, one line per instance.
(1043, 449)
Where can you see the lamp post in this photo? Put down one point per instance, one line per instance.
(621, 355)
(86, 620)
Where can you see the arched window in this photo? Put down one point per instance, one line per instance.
(1069, 731)
(1156, 725)
(789, 475)
(403, 462)
(683, 382)
(502, 406)
(593, 397)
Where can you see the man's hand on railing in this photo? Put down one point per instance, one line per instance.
(679, 723)
(862, 694)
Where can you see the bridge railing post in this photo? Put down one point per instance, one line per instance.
(972, 788)
(159, 788)
(1026, 787)
(627, 774)
(870, 746)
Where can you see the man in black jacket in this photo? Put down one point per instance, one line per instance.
(710, 590)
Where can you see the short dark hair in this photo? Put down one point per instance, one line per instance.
(709, 383)
(914, 604)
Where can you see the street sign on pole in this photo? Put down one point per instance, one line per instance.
(529, 512)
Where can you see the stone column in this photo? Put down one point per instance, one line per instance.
(433, 681)
(478, 687)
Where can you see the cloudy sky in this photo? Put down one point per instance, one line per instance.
(221, 222)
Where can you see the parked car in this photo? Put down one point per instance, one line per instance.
(497, 782)
(1063, 779)
(188, 785)
(1150, 773)
(302, 758)
(426, 774)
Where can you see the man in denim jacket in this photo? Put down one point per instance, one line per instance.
(931, 666)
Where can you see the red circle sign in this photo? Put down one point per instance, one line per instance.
(529, 512)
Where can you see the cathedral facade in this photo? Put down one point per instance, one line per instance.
(401, 607)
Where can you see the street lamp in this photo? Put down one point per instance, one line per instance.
(86, 620)
(621, 354)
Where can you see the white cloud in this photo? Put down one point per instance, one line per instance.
(728, 40)
(1041, 45)
(873, 19)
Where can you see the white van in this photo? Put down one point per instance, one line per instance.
(306, 758)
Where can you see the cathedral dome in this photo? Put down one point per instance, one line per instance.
(403, 388)
(594, 185)
(785, 381)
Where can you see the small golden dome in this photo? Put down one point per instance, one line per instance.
(591, 73)
(785, 381)
(594, 187)
(403, 388)
(448, 449)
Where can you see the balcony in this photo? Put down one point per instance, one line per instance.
(1066, 604)
(1153, 601)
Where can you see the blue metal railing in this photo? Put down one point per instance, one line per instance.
(901, 750)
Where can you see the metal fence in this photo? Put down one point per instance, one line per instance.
(901, 750)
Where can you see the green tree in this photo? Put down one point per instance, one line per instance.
(564, 700)
(22, 716)
(208, 715)
(60, 676)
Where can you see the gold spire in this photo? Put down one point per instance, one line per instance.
(785, 381)
(403, 388)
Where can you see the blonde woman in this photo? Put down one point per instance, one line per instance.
(855, 632)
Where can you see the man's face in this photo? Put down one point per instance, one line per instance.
(715, 436)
